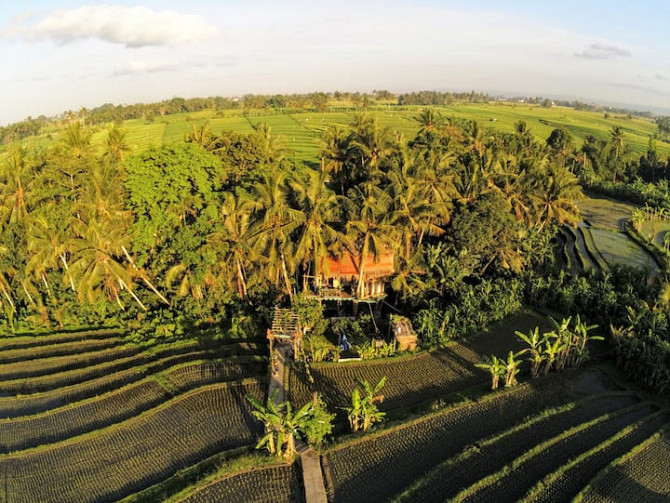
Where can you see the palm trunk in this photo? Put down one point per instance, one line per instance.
(241, 284)
(144, 278)
(123, 285)
(67, 271)
(286, 278)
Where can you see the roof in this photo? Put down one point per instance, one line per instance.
(285, 323)
(348, 265)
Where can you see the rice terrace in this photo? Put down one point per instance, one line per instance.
(261, 293)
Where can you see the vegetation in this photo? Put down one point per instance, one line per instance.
(178, 238)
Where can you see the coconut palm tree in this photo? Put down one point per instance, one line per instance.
(275, 225)
(116, 145)
(316, 235)
(554, 195)
(232, 242)
(370, 228)
(17, 180)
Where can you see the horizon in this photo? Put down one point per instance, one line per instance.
(67, 54)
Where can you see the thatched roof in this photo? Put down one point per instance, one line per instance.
(348, 266)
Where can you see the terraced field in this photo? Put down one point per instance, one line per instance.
(560, 430)
(86, 417)
(600, 242)
(174, 424)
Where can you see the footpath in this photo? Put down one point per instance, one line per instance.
(315, 489)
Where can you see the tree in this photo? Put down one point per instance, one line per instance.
(274, 228)
(554, 195)
(363, 412)
(617, 139)
(369, 227)
(316, 234)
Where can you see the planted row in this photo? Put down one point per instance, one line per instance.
(278, 484)
(410, 379)
(15, 406)
(491, 454)
(406, 452)
(130, 456)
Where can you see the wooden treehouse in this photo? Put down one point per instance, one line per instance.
(403, 333)
(339, 280)
(285, 329)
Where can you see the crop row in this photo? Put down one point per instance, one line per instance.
(98, 412)
(31, 431)
(34, 341)
(408, 451)
(58, 380)
(278, 484)
(516, 478)
(16, 406)
(130, 456)
(641, 475)
(26, 369)
(570, 478)
(185, 377)
(409, 380)
(66, 348)
(472, 464)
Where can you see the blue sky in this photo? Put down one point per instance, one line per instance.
(65, 54)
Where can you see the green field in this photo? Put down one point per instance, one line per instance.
(301, 130)
(89, 417)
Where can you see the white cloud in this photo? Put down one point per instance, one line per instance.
(603, 51)
(134, 67)
(129, 26)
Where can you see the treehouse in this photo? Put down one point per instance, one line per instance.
(285, 329)
(341, 278)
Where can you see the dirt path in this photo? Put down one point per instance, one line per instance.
(315, 489)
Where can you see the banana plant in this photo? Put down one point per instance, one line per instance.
(496, 367)
(363, 412)
(511, 369)
(534, 341)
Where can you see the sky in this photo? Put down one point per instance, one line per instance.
(62, 55)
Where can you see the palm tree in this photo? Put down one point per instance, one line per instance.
(49, 247)
(78, 140)
(97, 265)
(371, 144)
(616, 136)
(554, 194)
(316, 234)
(17, 180)
(274, 228)
(370, 228)
(232, 241)
(335, 152)
(116, 145)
